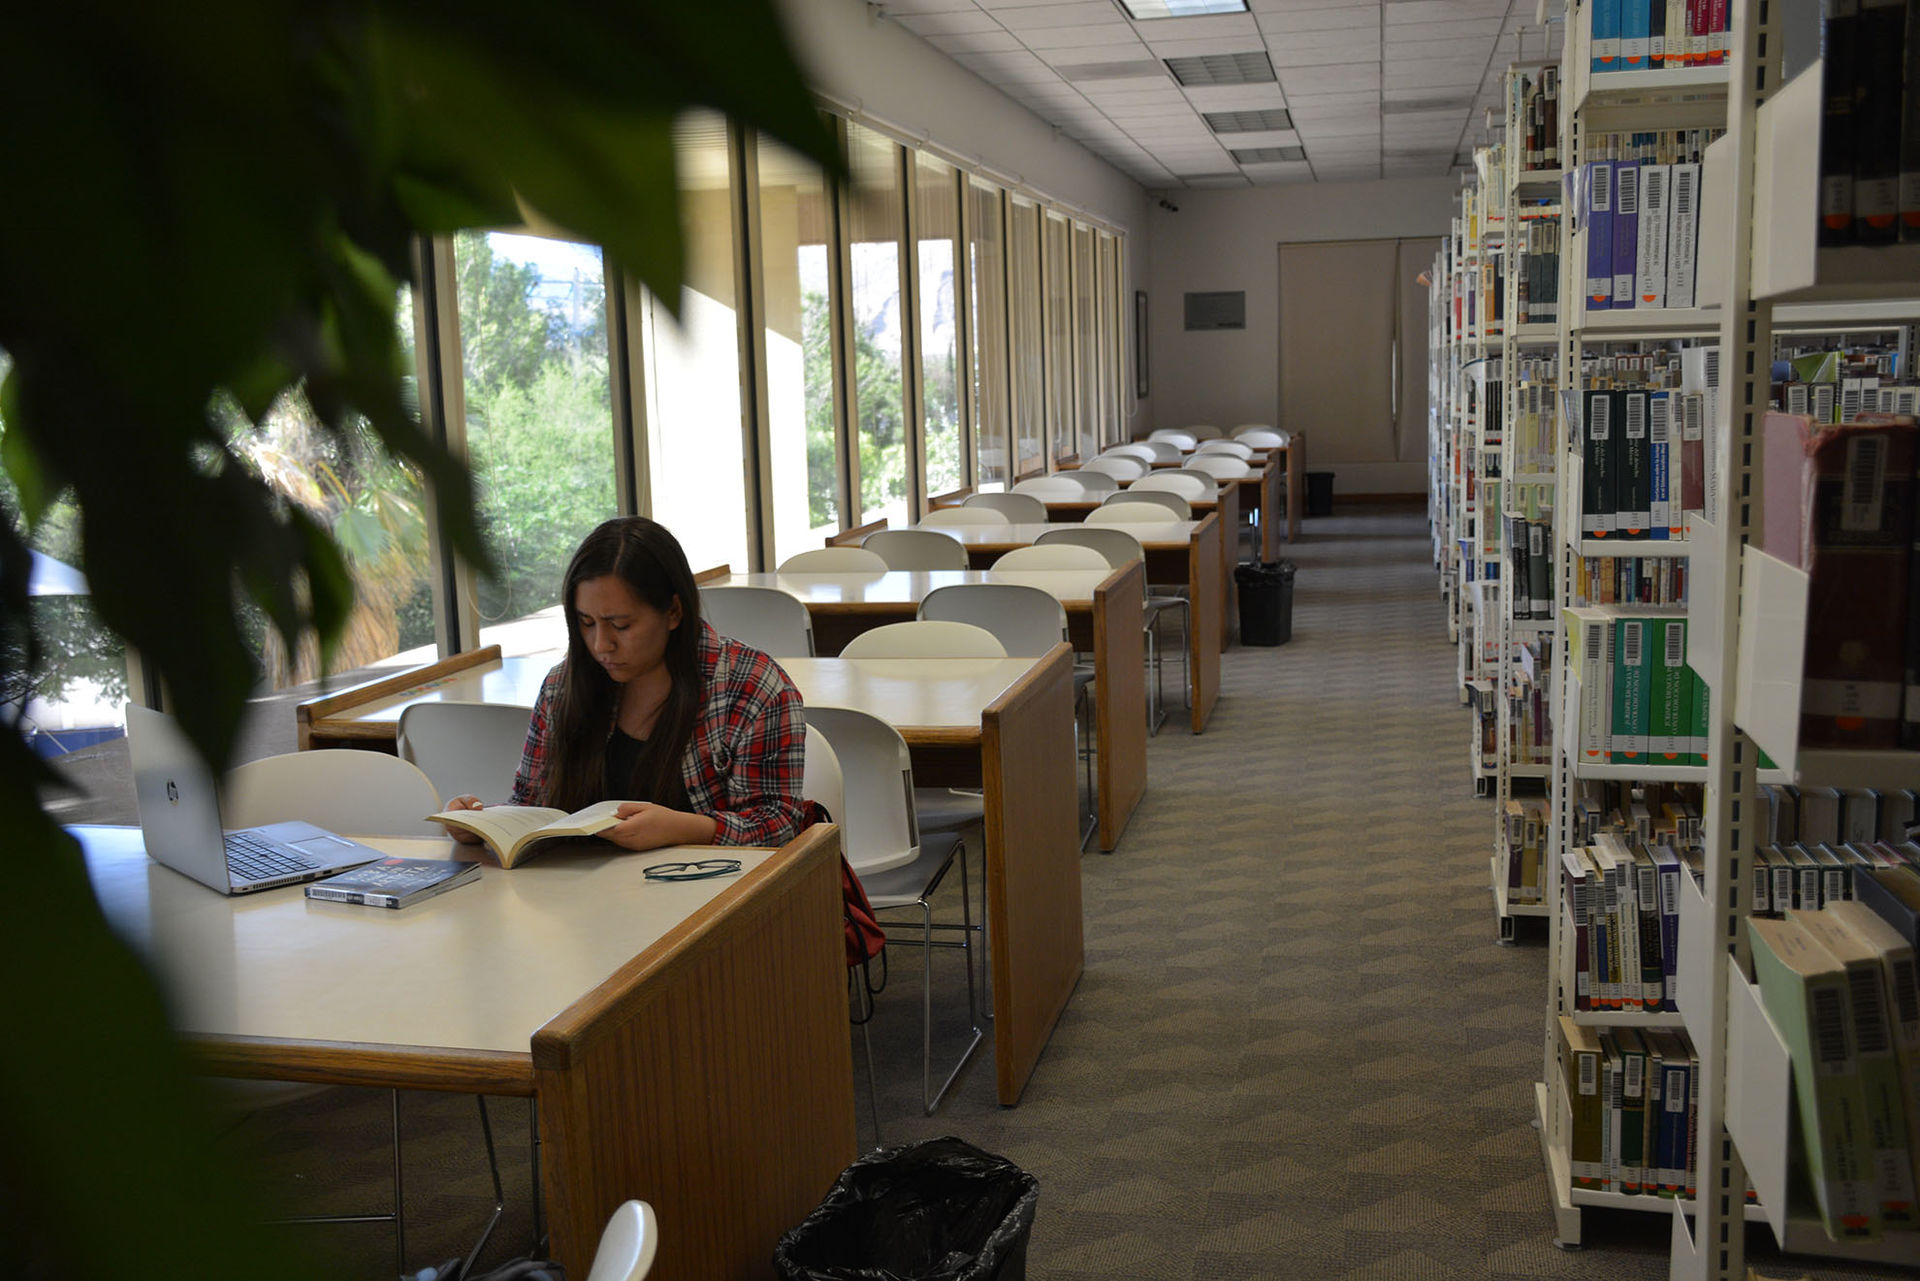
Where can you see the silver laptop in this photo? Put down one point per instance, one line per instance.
(180, 816)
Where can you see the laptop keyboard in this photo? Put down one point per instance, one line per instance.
(251, 859)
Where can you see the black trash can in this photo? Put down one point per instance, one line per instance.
(939, 1210)
(1266, 602)
(1319, 493)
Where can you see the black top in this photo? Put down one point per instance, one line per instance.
(623, 753)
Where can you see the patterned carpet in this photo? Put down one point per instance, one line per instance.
(1297, 1050)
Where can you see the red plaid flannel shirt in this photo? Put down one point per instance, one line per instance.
(744, 762)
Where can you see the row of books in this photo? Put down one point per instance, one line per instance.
(1620, 916)
(1633, 1099)
(1839, 984)
(1800, 877)
(1658, 35)
(1639, 702)
(1643, 462)
(1834, 815)
(1537, 107)
(1528, 832)
(1539, 283)
(1642, 225)
(1870, 124)
(1839, 504)
(1630, 580)
(1663, 813)
(1845, 399)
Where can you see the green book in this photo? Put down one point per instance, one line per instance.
(1804, 990)
(1670, 695)
(1631, 669)
(1699, 713)
(1633, 1110)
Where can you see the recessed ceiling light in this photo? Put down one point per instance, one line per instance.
(1143, 10)
(1248, 121)
(1223, 69)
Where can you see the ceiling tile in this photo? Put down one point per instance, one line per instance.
(1344, 77)
(1475, 30)
(1349, 127)
(1079, 13)
(1398, 44)
(995, 41)
(1399, 11)
(948, 24)
(902, 8)
(1278, 27)
(1255, 97)
(1099, 43)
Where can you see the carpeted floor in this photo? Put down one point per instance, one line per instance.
(1297, 1050)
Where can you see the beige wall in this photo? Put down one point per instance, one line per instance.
(1229, 240)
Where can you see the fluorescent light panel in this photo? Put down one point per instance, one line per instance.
(1146, 10)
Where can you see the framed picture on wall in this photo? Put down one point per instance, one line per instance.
(1140, 343)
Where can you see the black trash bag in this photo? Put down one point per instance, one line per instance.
(940, 1210)
(1266, 602)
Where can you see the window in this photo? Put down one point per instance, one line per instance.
(696, 473)
(1086, 345)
(539, 412)
(1025, 337)
(1113, 339)
(1057, 307)
(937, 235)
(987, 278)
(876, 229)
(803, 468)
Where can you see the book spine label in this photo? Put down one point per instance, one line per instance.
(1599, 219)
(1626, 231)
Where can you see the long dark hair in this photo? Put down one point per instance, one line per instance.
(648, 559)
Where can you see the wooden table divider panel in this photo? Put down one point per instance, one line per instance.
(712, 575)
(638, 1099)
(1039, 953)
(1204, 570)
(1120, 731)
(857, 535)
(316, 709)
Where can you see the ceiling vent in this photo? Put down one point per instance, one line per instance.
(1222, 69)
(1249, 121)
(1135, 69)
(1267, 155)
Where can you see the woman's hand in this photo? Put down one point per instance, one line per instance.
(460, 834)
(646, 826)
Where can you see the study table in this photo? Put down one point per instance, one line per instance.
(683, 1043)
(1002, 725)
(1177, 551)
(1282, 468)
(1103, 618)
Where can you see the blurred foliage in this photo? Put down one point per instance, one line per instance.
(218, 205)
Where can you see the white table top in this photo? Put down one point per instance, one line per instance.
(481, 967)
(909, 587)
(1169, 533)
(908, 693)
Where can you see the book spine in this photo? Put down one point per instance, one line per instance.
(1677, 1099)
(1630, 672)
(1881, 54)
(1669, 873)
(1605, 35)
(1657, 36)
(1668, 732)
(1651, 270)
(330, 895)
(1652, 971)
(1626, 231)
(1717, 29)
(1837, 123)
(1585, 1147)
(1910, 693)
(1636, 465)
(1635, 34)
(1600, 487)
(1910, 128)
(1598, 212)
(1595, 703)
(1664, 458)
(1575, 902)
(1633, 1093)
(1683, 231)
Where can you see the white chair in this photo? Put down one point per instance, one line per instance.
(1095, 482)
(1193, 488)
(966, 515)
(1122, 547)
(1044, 555)
(1122, 467)
(1143, 452)
(1020, 509)
(465, 748)
(356, 793)
(1206, 432)
(924, 639)
(1175, 436)
(1218, 466)
(360, 793)
(1244, 428)
(766, 618)
(627, 1246)
(823, 782)
(1027, 622)
(1180, 507)
(1056, 485)
(1231, 448)
(1163, 451)
(917, 549)
(1134, 512)
(899, 865)
(834, 560)
(1260, 437)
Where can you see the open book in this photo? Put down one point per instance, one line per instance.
(512, 831)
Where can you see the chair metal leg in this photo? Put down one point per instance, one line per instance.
(499, 1196)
